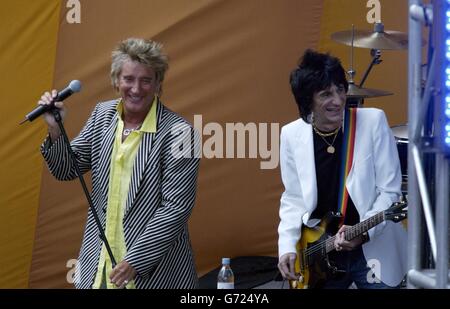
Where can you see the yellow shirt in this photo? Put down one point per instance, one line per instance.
(121, 168)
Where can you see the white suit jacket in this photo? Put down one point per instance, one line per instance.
(373, 184)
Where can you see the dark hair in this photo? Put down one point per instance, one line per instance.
(315, 72)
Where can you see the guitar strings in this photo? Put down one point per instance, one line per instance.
(318, 247)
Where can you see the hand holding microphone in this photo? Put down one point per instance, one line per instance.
(47, 100)
(50, 101)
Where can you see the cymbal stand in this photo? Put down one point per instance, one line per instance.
(352, 102)
(375, 53)
(376, 59)
(351, 72)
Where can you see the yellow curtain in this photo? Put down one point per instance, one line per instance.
(28, 35)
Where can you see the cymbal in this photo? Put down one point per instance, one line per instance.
(371, 39)
(358, 92)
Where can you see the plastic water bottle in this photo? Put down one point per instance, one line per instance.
(225, 279)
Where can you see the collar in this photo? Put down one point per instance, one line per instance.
(149, 124)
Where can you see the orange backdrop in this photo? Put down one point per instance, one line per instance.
(229, 63)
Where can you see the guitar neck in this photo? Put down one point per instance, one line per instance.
(357, 229)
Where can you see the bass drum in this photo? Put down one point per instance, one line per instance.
(401, 138)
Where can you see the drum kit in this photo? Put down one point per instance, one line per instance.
(375, 40)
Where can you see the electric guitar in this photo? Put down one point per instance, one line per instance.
(313, 262)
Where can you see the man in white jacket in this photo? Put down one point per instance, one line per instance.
(311, 158)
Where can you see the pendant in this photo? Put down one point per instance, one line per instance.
(127, 132)
(330, 149)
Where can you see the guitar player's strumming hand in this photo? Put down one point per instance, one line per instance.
(286, 265)
(346, 245)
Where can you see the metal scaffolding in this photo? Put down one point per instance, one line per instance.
(428, 196)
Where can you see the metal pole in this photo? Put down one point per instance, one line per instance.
(442, 212)
(414, 98)
(425, 198)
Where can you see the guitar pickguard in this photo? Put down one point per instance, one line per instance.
(313, 263)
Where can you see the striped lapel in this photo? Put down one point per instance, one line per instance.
(109, 134)
(145, 153)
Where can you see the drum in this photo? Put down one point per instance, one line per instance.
(401, 137)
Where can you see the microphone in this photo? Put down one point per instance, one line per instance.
(74, 86)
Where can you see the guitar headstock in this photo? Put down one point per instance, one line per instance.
(397, 212)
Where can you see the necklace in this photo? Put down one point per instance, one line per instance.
(127, 132)
(330, 148)
(325, 134)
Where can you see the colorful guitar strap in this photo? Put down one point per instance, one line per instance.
(348, 147)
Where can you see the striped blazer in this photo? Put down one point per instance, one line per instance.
(159, 203)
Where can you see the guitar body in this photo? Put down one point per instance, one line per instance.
(315, 274)
(315, 249)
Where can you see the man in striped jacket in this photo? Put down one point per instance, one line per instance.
(144, 175)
